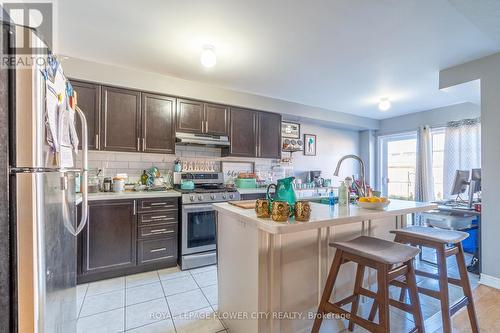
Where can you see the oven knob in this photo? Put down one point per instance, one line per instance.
(200, 198)
(191, 197)
(212, 196)
(231, 196)
(224, 196)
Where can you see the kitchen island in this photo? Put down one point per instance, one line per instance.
(271, 275)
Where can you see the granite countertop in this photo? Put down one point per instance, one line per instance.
(128, 195)
(323, 215)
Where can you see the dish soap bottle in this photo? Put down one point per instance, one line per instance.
(144, 178)
(343, 195)
(331, 198)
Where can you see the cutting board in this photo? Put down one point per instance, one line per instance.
(245, 204)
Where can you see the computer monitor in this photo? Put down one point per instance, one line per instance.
(475, 178)
(460, 183)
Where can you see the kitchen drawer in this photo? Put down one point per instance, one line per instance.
(157, 204)
(164, 229)
(154, 250)
(159, 217)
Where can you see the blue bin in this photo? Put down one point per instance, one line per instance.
(470, 243)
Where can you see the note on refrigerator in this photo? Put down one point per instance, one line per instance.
(66, 157)
(52, 113)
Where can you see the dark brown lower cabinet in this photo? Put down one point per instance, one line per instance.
(119, 239)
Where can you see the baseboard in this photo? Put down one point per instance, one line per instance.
(490, 281)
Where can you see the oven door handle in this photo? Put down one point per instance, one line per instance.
(197, 208)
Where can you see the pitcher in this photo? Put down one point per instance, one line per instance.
(283, 191)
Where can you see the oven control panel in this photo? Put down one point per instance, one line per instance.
(195, 198)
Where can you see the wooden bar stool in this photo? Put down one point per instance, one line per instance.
(446, 243)
(381, 255)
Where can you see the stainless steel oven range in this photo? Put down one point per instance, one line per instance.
(198, 239)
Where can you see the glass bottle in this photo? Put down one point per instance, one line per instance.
(144, 178)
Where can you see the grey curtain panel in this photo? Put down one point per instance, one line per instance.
(462, 149)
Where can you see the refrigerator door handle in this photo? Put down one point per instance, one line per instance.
(85, 168)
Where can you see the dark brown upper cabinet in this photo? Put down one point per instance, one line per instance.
(109, 238)
(158, 124)
(89, 101)
(243, 133)
(120, 117)
(189, 116)
(269, 129)
(216, 119)
(205, 118)
(254, 134)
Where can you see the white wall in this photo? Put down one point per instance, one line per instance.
(332, 144)
(434, 118)
(486, 69)
(132, 78)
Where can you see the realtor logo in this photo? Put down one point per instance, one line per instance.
(38, 16)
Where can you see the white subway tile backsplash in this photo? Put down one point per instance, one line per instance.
(155, 157)
(128, 157)
(117, 164)
(134, 163)
(140, 165)
(102, 156)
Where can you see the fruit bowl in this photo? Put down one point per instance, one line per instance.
(374, 205)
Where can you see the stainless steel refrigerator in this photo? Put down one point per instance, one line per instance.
(43, 212)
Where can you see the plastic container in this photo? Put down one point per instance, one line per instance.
(470, 244)
(343, 195)
(246, 182)
(118, 184)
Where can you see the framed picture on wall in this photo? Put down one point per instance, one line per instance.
(290, 130)
(309, 144)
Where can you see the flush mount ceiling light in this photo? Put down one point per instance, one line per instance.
(384, 104)
(208, 58)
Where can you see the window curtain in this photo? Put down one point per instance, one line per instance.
(424, 181)
(462, 149)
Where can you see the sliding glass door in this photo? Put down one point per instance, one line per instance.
(398, 160)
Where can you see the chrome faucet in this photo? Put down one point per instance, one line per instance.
(363, 189)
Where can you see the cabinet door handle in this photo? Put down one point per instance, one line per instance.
(206, 126)
(162, 231)
(135, 209)
(158, 203)
(158, 250)
(96, 145)
(138, 144)
(143, 144)
(159, 217)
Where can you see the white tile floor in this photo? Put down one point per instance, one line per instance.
(166, 301)
(170, 301)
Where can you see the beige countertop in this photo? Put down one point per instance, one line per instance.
(128, 195)
(323, 215)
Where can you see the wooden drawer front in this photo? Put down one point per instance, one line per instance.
(157, 249)
(150, 205)
(159, 217)
(163, 229)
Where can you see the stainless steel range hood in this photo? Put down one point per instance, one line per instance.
(201, 139)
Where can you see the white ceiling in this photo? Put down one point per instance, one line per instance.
(342, 55)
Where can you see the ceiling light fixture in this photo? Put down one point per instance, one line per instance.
(384, 104)
(208, 58)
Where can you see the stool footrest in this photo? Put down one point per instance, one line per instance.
(464, 301)
(429, 292)
(454, 281)
(337, 310)
(347, 300)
